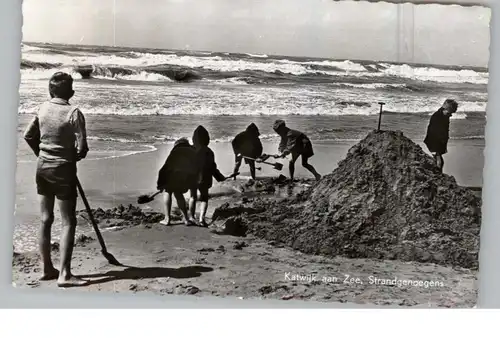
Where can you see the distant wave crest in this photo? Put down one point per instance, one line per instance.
(340, 108)
(225, 65)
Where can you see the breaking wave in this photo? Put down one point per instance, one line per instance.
(377, 85)
(257, 55)
(436, 75)
(168, 139)
(138, 63)
(337, 109)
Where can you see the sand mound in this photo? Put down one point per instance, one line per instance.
(385, 200)
(126, 216)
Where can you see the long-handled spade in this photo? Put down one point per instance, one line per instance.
(143, 199)
(111, 259)
(382, 104)
(276, 165)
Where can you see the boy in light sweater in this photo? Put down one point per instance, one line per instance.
(57, 136)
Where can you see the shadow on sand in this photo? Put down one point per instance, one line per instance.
(134, 273)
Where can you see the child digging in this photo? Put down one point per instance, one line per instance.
(297, 144)
(178, 175)
(57, 136)
(247, 143)
(207, 169)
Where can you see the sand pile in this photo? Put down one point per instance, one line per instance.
(385, 200)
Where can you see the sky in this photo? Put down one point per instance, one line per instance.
(431, 34)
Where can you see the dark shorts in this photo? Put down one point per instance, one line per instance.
(180, 182)
(304, 149)
(238, 159)
(307, 150)
(436, 146)
(56, 179)
(204, 196)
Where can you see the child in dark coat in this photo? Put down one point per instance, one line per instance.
(247, 143)
(179, 175)
(297, 144)
(207, 169)
(438, 131)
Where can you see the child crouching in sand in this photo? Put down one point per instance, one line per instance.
(297, 144)
(207, 169)
(179, 175)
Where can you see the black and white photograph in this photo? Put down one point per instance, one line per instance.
(314, 151)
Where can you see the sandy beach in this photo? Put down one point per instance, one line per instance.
(110, 182)
(422, 226)
(195, 261)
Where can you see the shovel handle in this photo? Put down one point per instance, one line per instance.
(253, 159)
(233, 175)
(156, 193)
(91, 216)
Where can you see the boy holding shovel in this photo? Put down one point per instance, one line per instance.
(58, 137)
(297, 144)
(247, 144)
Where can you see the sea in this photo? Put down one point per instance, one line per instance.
(136, 100)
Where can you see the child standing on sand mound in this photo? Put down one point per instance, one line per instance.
(296, 143)
(247, 143)
(438, 131)
(207, 169)
(58, 137)
(179, 175)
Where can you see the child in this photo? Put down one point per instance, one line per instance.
(207, 169)
(178, 175)
(247, 143)
(438, 131)
(296, 143)
(57, 135)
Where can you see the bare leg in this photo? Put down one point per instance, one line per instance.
(203, 206)
(309, 167)
(291, 165)
(251, 164)
(439, 161)
(192, 204)
(47, 211)
(168, 208)
(68, 217)
(237, 165)
(181, 203)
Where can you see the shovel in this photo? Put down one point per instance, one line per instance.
(111, 259)
(143, 199)
(276, 165)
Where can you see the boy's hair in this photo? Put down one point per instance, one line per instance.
(452, 104)
(181, 141)
(61, 85)
(278, 125)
